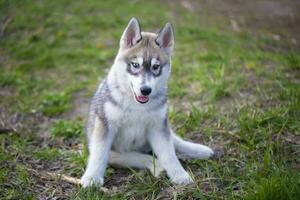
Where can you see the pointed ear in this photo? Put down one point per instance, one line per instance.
(165, 38)
(131, 35)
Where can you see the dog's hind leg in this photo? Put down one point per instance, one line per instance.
(187, 149)
(136, 160)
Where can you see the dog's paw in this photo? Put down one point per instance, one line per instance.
(200, 152)
(156, 170)
(182, 178)
(206, 152)
(88, 180)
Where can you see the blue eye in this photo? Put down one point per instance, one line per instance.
(135, 65)
(135, 68)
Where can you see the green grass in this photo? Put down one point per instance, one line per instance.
(280, 185)
(67, 129)
(55, 104)
(237, 92)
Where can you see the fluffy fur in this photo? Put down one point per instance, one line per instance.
(124, 124)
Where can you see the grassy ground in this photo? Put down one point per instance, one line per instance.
(234, 87)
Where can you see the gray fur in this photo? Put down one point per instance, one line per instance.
(101, 96)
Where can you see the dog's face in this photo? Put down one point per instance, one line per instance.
(144, 61)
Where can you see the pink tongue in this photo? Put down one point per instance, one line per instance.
(143, 98)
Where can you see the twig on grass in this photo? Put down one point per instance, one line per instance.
(63, 177)
(4, 130)
(69, 179)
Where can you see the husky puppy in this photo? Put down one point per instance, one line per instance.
(128, 115)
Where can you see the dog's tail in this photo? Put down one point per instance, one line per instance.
(187, 149)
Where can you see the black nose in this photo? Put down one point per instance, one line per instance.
(145, 90)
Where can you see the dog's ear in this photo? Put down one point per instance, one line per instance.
(165, 38)
(132, 34)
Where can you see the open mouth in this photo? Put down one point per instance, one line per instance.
(141, 99)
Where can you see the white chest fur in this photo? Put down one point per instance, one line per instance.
(131, 126)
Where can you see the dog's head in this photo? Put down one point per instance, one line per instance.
(144, 60)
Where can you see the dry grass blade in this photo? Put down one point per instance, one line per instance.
(5, 23)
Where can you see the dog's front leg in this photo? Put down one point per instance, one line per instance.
(161, 142)
(99, 147)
